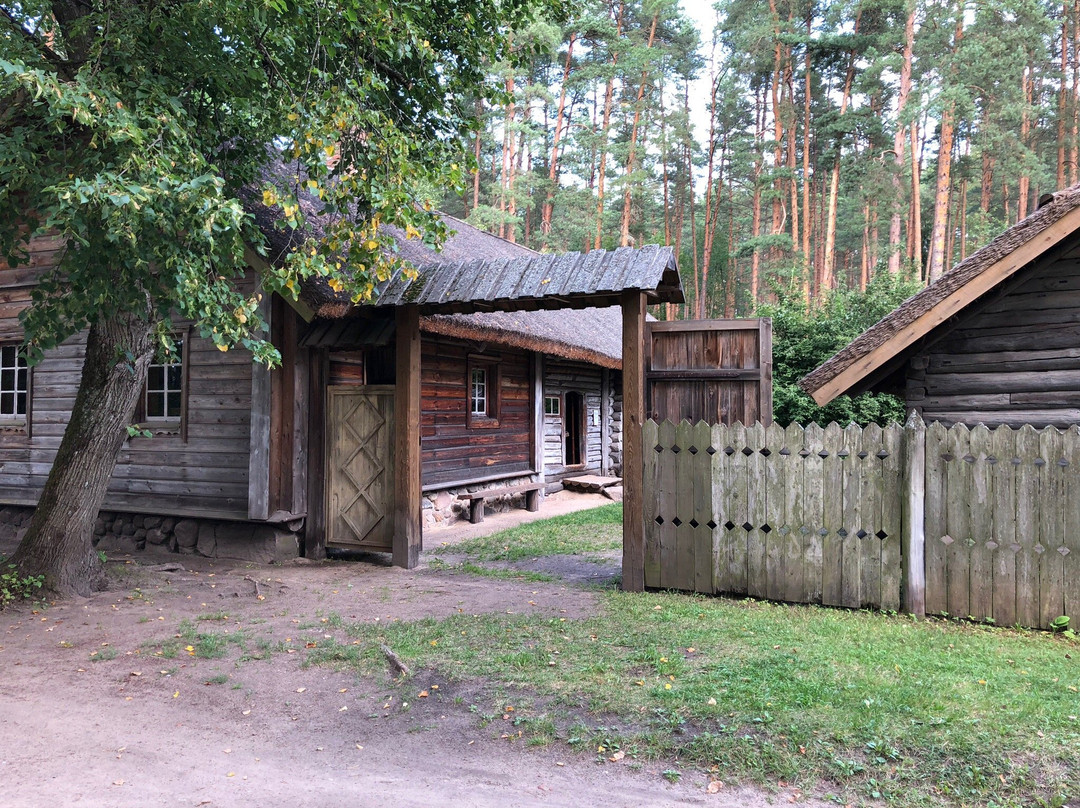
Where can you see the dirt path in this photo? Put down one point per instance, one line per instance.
(134, 729)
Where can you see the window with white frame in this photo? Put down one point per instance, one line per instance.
(163, 398)
(482, 389)
(14, 386)
(478, 391)
(551, 405)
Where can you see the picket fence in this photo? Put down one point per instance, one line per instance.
(970, 522)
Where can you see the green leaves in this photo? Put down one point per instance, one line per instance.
(136, 146)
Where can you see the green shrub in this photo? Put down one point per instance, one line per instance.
(14, 586)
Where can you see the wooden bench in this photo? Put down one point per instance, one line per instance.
(532, 493)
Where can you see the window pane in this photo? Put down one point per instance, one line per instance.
(155, 378)
(21, 408)
(155, 405)
(7, 356)
(174, 405)
(7, 403)
(7, 380)
(175, 374)
(22, 379)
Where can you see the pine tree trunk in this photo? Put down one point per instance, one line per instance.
(898, 139)
(1062, 96)
(59, 541)
(915, 239)
(828, 269)
(632, 152)
(806, 211)
(553, 166)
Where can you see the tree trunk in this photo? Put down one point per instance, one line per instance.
(1062, 95)
(59, 541)
(898, 139)
(553, 166)
(915, 237)
(608, 98)
(632, 153)
(828, 269)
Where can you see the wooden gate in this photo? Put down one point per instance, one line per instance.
(360, 466)
(716, 371)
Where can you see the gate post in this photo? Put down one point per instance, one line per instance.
(913, 571)
(633, 356)
(407, 531)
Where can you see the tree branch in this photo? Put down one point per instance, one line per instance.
(51, 56)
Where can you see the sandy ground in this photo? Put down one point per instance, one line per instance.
(132, 729)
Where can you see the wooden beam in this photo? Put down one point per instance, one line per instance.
(407, 525)
(538, 417)
(605, 421)
(948, 307)
(765, 392)
(259, 264)
(913, 504)
(259, 444)
(315, 526)
(633, 349)
(706, 374)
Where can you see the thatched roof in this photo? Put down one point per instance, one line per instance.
(589, 335)
(910, 325)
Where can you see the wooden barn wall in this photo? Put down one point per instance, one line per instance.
(1017, 361)
(562, 376)
(452, 451)
(615, 424)
(205, 475)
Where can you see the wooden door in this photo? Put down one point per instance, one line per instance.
(360, 466)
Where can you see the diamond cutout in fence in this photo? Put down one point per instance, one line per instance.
(747, 451)
(783, 530)
(822, 454)
(711, 525)
(946, 540)
(693, 523)
(785, 452)
(804, 452)
(658, 448)
(969, 458)
(991, 545)
(862, 534)
(747, 526)
(1038, 548)
(881, 455)
(659, 520)
(1016, 461)
(676, 521)
(804, 530)
(843, 453)
(992, 460)
(692, 450)
(1016, 548)
(1063, 550)
(948, 457)
(675, 448)
(766, 529)
(729, 525)
(823, 531)
(881, 534)
(1062, 462)
(729, 451)
(842, 533)
(765, 452)
(1039, 462)
(863, 455)
(711, 450)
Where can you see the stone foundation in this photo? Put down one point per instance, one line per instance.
(212, 538)
(444, 507)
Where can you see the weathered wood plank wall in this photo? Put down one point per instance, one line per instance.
(818, 515)
(202, 470)
(1015, 362)
(562, 376)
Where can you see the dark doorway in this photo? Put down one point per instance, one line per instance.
(574, 430)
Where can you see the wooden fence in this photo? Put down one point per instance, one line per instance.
(968, 522)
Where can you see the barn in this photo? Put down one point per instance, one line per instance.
(995, 341)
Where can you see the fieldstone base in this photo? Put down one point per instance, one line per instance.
(444, 507)
(213, 538)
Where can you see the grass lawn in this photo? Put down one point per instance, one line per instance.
(581, 533)
(853, 705)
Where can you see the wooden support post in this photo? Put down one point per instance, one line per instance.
(633, 356)
(913, 575)
(538, 422)
(605, 422)
(315, 524)
(259, 455)
(407, 531)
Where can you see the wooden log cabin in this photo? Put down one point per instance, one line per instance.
(379, 415)
(994, 341)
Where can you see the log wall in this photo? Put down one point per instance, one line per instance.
(451, 450)
(203, 472)
(1014, 362)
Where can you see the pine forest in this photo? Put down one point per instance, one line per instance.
(798, 148)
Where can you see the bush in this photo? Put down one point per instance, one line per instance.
(14, 586)
(804, 338)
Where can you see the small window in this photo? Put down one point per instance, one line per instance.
(551, 405)
(162, 405)
(483, 393)
(14, 386)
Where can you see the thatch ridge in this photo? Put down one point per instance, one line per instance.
(915, 306)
